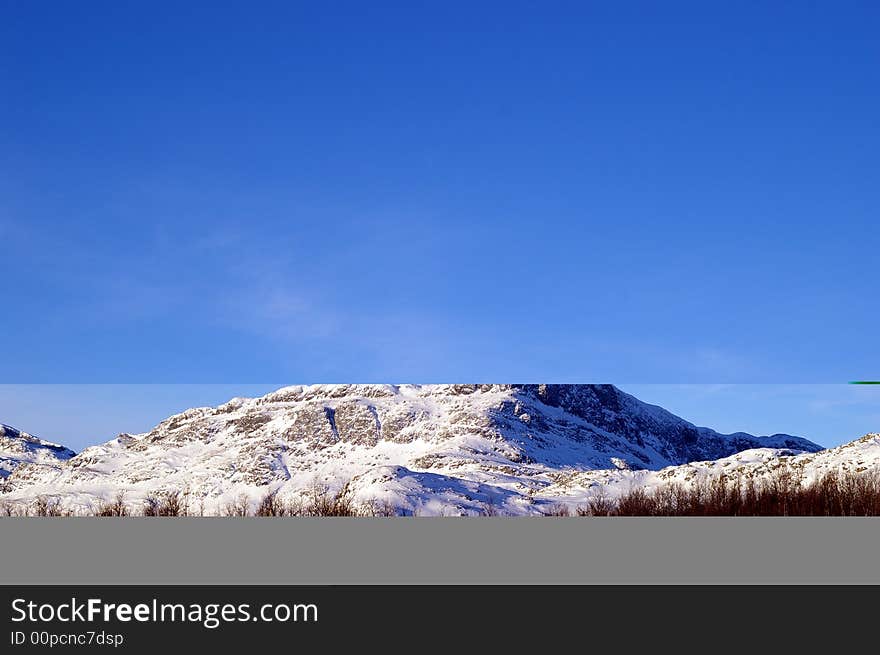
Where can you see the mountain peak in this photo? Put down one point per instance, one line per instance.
(17, 448)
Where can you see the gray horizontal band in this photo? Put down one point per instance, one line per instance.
(439, 551)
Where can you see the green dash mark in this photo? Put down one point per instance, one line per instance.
(865, 382)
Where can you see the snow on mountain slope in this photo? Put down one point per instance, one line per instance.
(760, 465)
(17, 447)
(429, 449)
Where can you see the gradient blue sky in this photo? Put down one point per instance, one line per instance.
(563, 191)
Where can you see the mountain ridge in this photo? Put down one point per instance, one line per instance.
(426, 448)
(18, 448)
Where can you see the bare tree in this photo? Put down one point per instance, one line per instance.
(115, 507)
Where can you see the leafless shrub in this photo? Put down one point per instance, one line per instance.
(837, 493)
(115, 507)
(322, 502)
(380, 509)
(151, 505)
(241, 506)
(166, 503)
(44, 506)
(557, 510)
(636, 502)
(271, 505)
(599, 505)
(295, 507)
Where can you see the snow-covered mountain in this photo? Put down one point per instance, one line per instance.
(17, 448)
(430, 449)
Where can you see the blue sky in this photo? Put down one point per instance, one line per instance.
(428, 192)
